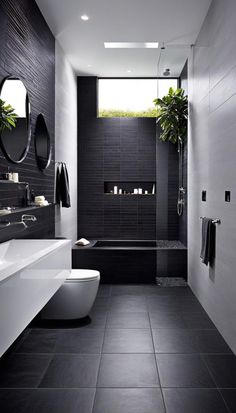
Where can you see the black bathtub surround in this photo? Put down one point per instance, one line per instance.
(132, 261)
(27, 51)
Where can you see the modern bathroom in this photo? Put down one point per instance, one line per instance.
(117, 206)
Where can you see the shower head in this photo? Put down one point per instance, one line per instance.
(166, 72)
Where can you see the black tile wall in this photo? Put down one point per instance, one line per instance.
(121, 149)
(27, 50)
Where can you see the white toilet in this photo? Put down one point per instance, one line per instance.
(75, 297)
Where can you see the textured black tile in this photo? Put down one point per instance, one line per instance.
(80, 340)
(39, 341)
(183, 370)
(173, 341)
(71, 371)
(128, 304)
(127, 341)
(223, 369)
(229, 396)
(128, 320)
(194, 401)
(61, 400)
(14, 400)
(23, 370)
(128, 401)
(128, 370)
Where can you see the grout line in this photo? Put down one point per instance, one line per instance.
(214, 381)
(158, 374)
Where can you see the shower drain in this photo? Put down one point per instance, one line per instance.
(171, 282)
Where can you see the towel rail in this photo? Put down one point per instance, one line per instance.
(214, 221)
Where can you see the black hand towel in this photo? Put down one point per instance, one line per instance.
(208, 241)
(62, 186)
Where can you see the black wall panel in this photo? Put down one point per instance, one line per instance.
(27, 50)
(123, 149)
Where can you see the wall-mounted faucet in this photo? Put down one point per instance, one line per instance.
(24, 218)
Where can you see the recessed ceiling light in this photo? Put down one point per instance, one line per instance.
(131, 45)
(89, 65)
(84, 17)
(129, 71)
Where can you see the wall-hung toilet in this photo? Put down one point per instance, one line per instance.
(75, 297)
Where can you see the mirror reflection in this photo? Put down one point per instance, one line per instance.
(42, 143)
(15, 142)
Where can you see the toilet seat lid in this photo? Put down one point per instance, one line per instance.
(83, 275)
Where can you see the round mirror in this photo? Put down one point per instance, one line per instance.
(42, 143)
(15, 142)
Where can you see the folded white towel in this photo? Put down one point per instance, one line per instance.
(82, 241)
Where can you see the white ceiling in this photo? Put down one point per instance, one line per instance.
(171, 21)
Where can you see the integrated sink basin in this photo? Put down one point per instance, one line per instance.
(31, 271)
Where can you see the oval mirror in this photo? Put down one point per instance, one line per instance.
(42, 143)
(15, 142)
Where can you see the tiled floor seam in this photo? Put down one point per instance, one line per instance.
(212, 376)
(162, 395)
(99, 367)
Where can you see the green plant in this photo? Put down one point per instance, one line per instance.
(7, 116)
(172, 115)
(116, 113)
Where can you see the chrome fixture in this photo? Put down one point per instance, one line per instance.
(214, 221)
(181, 190)
(24, 218)
(166, 72)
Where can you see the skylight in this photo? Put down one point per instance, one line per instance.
(131, 45)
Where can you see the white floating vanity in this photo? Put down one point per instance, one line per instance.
(31, 271)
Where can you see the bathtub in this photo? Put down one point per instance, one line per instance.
(132, 261)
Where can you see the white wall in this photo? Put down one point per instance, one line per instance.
(66, 140)
(212, 163)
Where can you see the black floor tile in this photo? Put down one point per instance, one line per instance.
(223, 369)
(128, 341)
(61, 401)
(23, 370)
(101, 303)
(210, 341)
(40, 341)
(173, 341)
(138, 290)
(14, 400)
(104, 290)
(128, 303)
(166, 320)
(194, 401)
(128, 401)
(128, 370)
(128, 320)
(199, 321)
(183, 370)
(189, 341)
(81, 340)
(71, 371)
(97, 318)
(229, 396)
